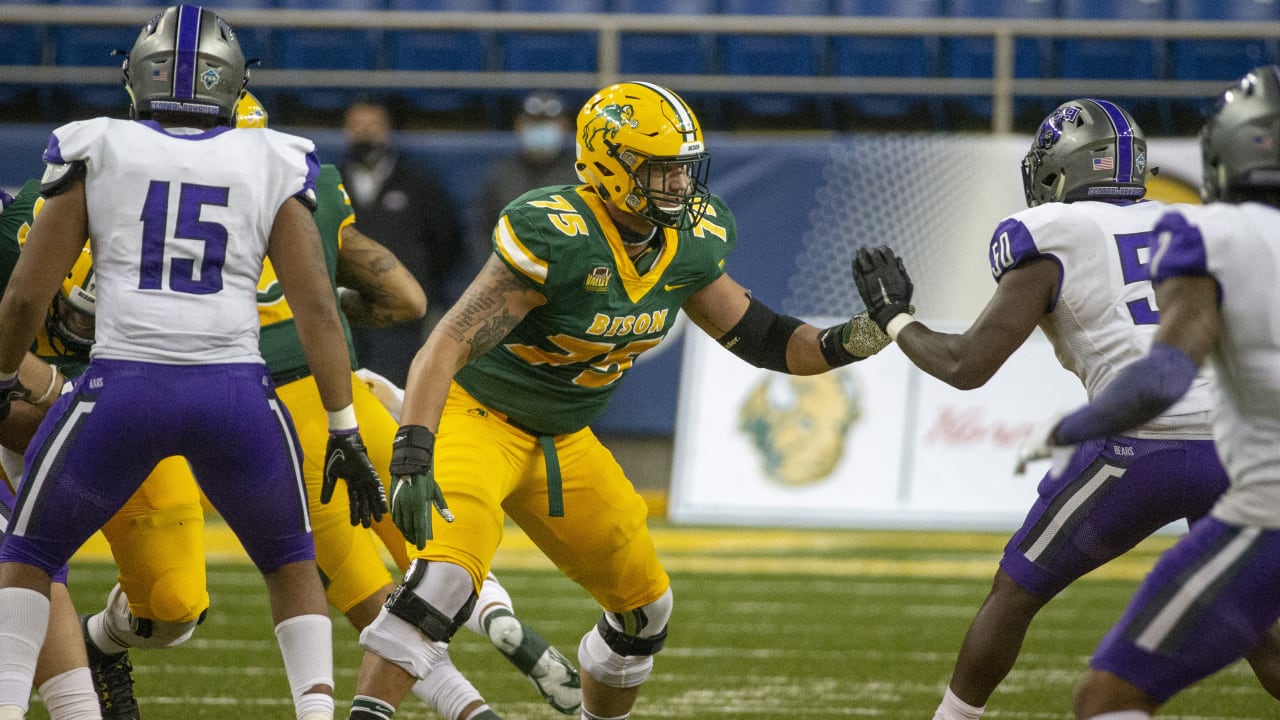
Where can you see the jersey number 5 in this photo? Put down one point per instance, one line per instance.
(182, 271)
(1135, 269)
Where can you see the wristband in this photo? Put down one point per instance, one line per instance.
(343, 420)
(895, 325)
(53, 382)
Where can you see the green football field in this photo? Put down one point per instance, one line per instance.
(768, 624)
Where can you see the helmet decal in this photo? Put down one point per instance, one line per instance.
(606, 125)
(1051, 128)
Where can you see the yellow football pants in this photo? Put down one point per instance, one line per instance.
(485, 466)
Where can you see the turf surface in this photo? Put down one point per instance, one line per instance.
(768, 624)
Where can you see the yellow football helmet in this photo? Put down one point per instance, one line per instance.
(249, 112)
(71, 320)
(641, 147)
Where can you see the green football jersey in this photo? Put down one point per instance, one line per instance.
(278, 341)
(556, 370)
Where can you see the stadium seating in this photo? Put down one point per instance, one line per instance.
(650, 55)
(550, 51)
(453, 50)
(325, 49)
(1135, 59)
(970, 57)
(789, 55)
(886, 57)
(1223, 60)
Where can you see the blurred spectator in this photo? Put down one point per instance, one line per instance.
(404, 206)
(544, 127)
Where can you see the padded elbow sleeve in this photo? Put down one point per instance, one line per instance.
(761, 337)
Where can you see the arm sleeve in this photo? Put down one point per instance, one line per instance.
(1140, 392)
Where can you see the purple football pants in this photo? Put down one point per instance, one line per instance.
(1206, 604)
(99, 442)
(1115, 492)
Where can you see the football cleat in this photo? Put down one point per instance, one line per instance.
(112, 679)
(550, 672)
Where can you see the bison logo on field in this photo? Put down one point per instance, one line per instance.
(607, 123)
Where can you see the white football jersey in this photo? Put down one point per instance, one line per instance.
(178, 225)
(1104, 316)
(1239, 245)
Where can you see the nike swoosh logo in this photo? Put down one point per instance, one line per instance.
(675, 286)
(396, 493)
(884, 294)
(337, 456)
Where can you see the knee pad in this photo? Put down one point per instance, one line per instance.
(431, 608)
(129, 630)
(619, 650)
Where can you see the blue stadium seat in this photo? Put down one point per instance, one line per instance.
(895, 56)
(92, 46)
(452, 50)
(20, 45)
(324, 49)
(644, 54)
(1224, 60)
(1134, 59)
(550, 51)
(792, 55)
(970, 57)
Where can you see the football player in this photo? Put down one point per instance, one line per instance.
(62, 670)
(1075, 264)
(1213, 597)
(161, 526)
(175, 367)
(582, 280)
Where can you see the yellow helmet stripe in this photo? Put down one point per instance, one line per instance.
(685, 122)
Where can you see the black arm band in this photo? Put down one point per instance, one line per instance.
(831, 342)
(761, 337)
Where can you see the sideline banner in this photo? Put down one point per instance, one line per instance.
(875, 444)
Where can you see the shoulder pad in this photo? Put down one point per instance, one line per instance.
(60, 176)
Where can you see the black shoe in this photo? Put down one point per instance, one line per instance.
(112, 679)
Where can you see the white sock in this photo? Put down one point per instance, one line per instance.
(446, 690)
(306, 644)
(492, 597)
(24, 621)
(1123, 715)
(953, 708)
(71, 696)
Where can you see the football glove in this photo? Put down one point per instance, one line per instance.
(11, 390)
(883, 283)
(413, 484)
(346, 457)
(1039, 445)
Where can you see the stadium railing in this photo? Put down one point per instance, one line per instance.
(1002, 87)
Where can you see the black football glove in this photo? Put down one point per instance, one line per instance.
(346, 457)
(11, 390)
(883, 283)
(413, 484)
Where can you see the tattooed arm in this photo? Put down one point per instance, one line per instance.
(495, 302)
(381, 290)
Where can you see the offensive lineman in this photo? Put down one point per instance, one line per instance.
(1214, 597)
(582, 280)
(1074, 264)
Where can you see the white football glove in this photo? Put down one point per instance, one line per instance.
(1035, 446)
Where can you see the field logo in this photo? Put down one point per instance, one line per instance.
(800, 424)
(607, 123)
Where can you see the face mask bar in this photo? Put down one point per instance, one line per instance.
(675, 189)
